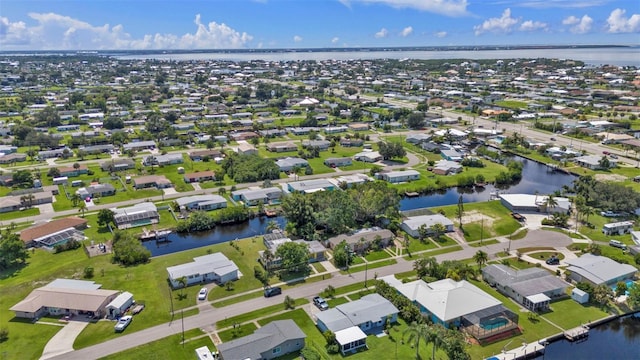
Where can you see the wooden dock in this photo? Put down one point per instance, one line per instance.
(411, 194)
(577, 333)
(158, 235)
(270, 213)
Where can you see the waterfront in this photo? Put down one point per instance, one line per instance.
(619, 56)
(617, 339)
(536, 177)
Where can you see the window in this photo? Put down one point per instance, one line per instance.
(276, 350)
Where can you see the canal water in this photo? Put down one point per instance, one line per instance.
(618, 339)
(535, 177)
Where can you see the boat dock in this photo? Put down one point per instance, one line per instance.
(158, 235)
(577, 333)
(411, 194)
(270, 213)
(523, 352)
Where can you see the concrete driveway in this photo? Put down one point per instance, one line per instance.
(62, 342)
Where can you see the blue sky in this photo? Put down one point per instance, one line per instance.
(222, 24)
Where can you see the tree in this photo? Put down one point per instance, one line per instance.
(128, 251)
(460, 210)
(438, 230)
(289, 303)
(480, 258)
(423, 232)
(426, 266)
(417, 332)
(27, 200)
(415, 121)
(634, 296)
(294, 256)
(12, 250)
(550, 202)
(53, 172)
(341, 254)
(601, 294)
(621, 288)
(588, 211)
(82, 207)
(604, 163)
(76, 166)
(23, 178)
(75, 198)
(106, 217)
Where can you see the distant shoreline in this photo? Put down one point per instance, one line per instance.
(303, 50)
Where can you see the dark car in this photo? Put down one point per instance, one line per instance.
(273, 291)
(553, 261)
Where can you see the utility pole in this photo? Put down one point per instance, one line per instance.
(481, 229)
(366, 269)
(182, 314)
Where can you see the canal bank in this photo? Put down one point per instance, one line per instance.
(535, 179)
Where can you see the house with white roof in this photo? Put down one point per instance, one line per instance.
(202, 202)
(214, 267)
(598, 270)
(310, 186)
(533, 203)
(400, 176)
(251, 197)
(460, 304)
(353, 320)
(367, 156)
(145, 213)
(617, 228)
(413, 223)
(289, 163)
(594, 162)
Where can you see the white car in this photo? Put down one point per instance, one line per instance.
(123, 323)
(202, 295)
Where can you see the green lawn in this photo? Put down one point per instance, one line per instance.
(170, 347)
(569, 314)
(19, 214)
(237, 332)
(266, 311)
(377, 255)
(498, 221)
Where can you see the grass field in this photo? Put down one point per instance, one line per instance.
(170, 347)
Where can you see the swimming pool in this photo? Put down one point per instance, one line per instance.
(629, 284)
(494, 323)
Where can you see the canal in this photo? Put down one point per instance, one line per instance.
(617, 339)
(535, 177)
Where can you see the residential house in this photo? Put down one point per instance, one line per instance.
(167, 159)
(149, 181)
(309, 186)
(13, 158)
(69, 171)
(320, 144)
(54, 232)
(617, 228)
(446, 167)
(358, 127)
(275, 339)
(534, 203)
(395, 177)
(118, 165)
(417, 138)
(202, 202)
(140, 214)
(338, 162)
(595, 162)
(65, 297)
(49, 154)
(598, 270)
(282, 146)
(16, 202)
(244, 148)
(459, 304)
(367, 315)
(273, 240)
(251, 197)
(335, 129)
(8, 149)
(96, 149)
(201, 154)
(118, 306)
(200, 176)
(534, 288)
(412, 224)
(289, 163)
(351, 180)
(352, 142)
(139, 145)
(451, 155)
(367, 156)
(364, 239)
(214, 267)
(96, 190)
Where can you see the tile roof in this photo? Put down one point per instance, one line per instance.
(38, 231)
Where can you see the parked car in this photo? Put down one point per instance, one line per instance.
(320, 303)
(606, 152)
(202, 294)
(123, 322)
(272, 291)
(553, 261)
(618, 244)
(553, 139)
(613, 156)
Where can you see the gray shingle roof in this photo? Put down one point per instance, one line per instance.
(262, 340)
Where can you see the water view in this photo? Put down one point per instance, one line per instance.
(617, 339)
(535, 177)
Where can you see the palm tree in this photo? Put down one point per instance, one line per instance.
(435, 335)
(82, 207)
(272, 225)
(588, 211)
(550, 202)
(416, 332)
(75, 198)
(480, 258)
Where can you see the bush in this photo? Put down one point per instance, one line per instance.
(69, 245)
(88, 272)
(308, 353)
(333, 348)
(4, 335)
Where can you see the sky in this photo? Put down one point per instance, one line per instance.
(267, 24)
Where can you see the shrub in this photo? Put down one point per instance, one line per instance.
(4, 335)
(69, 245)
(309, 354)
(88, 272)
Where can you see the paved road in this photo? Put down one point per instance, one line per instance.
(209, 317)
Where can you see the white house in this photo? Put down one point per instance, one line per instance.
(202, 202)
(599, 270)
(617, 228)
(412, 224)
(213, 267)
(399, 176)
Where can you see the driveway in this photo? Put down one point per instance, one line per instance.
(62, 342)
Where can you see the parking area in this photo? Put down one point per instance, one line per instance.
(62, 342)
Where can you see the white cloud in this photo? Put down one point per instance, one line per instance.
(546, 4)
(382, 33)
(406, 31)
(618, 23)
(441, 34)
(531, 25)
(503, 24)
(442, 7)
(335, 40)
(297, 38)
(579, 25)
(55, 31)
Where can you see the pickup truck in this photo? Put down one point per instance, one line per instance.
(320, 303)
